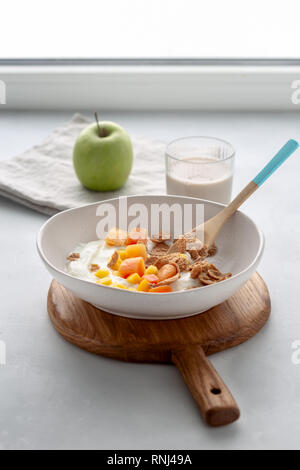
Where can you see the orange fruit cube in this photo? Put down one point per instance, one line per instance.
(134, 251)
(161, 289)
(131, 266)
(143, 286)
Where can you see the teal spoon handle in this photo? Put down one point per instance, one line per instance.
(213, 226)
(280, 157)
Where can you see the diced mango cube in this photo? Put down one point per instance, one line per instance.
(106, 281)
(116, 273)
(134, 278)
(151, 269)
(143, 286)
(134, 251)
(101, 273)
(122, 254)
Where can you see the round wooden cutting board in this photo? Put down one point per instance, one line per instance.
(185, 342)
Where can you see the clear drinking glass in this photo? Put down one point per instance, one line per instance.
(200, 167)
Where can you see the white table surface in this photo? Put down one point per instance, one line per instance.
(56, 396)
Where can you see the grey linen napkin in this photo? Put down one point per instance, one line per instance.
(43, 177)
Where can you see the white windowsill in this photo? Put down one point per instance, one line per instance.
(159, 87)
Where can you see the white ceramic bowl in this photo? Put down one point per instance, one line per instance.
(240, 247)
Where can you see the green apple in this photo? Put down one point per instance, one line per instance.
(103, 156)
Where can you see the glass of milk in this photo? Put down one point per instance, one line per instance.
(200, 167)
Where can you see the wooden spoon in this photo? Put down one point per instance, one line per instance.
(212, 227)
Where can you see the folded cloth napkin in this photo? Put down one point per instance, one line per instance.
(43, 177)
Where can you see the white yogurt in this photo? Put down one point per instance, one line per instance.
(97, 252)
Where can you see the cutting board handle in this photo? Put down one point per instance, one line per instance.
(217, 405)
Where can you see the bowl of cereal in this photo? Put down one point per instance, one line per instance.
(141, 270)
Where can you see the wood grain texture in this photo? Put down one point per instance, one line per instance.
(216, 404)
(186, 342)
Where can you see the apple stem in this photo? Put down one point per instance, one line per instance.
(100, 130)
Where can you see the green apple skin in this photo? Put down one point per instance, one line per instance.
(103, 163)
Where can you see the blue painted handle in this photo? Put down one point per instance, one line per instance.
(280, 157)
